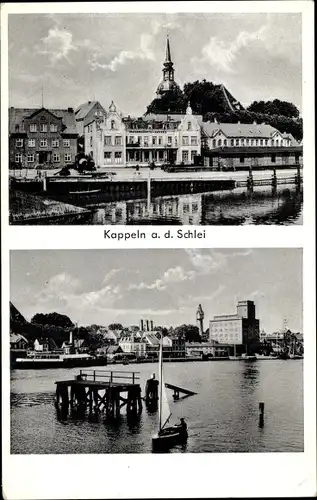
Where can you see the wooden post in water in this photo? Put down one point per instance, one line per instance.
(261, 414)
(44, 181)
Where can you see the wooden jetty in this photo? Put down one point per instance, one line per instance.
(101, 390)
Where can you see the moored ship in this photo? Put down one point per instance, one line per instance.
(57, 360)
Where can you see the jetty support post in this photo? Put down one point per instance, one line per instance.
(250, 181)
(261, 414)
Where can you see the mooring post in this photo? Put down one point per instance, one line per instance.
(261, 414)
(44, 181)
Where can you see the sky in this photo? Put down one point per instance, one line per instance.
(81, 57)
(165, 285)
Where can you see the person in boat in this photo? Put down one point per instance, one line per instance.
(179, 428)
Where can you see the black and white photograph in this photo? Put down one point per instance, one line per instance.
(152, 118)
(200, 353)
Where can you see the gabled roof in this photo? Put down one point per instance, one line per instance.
(17, 115)
(151, 339)
(83, 110)
(239, 130)
(14, 338)
(292, 139)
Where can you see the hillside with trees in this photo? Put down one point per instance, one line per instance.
(215, 102)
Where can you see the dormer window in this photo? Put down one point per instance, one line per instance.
(17, 128)
(113, 125)
(189, 125)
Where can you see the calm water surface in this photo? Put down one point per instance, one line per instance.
(222, 417)
(237, 207)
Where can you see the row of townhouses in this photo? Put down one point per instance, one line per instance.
(52, 137)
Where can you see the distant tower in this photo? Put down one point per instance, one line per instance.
(285, 326)
(168, 83)
(200, 320)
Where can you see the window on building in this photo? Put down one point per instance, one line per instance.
(185, 156)
(297, 158)
(107, 156)
(30, 157)
(232, 142)
(219, 143)
(261, 142)
(214, 143)
(43, 143)
(56, 158)
(66, 143)
(18, 158)
(67, 157)
(242, 142)
(169, 140)
(193, 154)
(237, 142)
(17, 128)
(185, 140)
(118, 157)
(33, 127)
(265, 142)
(55, 143)
(153, 141)
(118, 140)
(31, 143)
(160, 141)
(241, 159)
(139, 139)
(193, 141)
(53, 127)
(43, 127)
(146, 140)
(19, 143)
(225, 142)
(107, 140)
(273, 158)
(247, 142)
(189, 125)
(90, 142)
(113, 125)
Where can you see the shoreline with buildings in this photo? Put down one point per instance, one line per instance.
(229, 337)
(91, 155)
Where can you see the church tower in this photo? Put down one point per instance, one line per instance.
(168, 83)
(200, 320)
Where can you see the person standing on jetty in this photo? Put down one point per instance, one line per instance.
(151, 389)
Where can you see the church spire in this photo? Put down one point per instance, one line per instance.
(168, 58)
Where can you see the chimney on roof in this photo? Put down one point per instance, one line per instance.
(215, 120)
(254, 123)
(70, 110)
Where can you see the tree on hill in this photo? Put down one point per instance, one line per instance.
(208, 100)
(275, 107)
(52, 319)
(115, 326)
(190, 332)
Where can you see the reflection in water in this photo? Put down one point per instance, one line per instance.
(262, 205)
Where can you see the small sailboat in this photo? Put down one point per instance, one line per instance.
(166, 437)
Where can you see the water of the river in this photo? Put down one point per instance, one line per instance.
(222, 417)
(236, 207)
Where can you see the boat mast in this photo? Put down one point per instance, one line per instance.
(160, 381)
